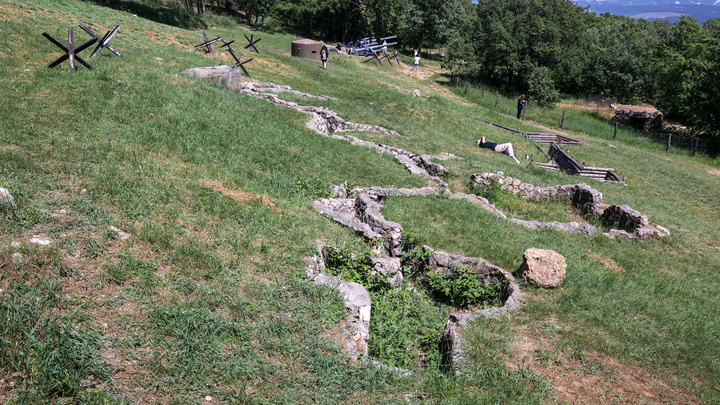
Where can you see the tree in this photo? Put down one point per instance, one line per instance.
(689, 71)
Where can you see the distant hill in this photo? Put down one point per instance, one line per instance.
(670, 10)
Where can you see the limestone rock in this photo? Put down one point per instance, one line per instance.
(6, 199)
(339, 191)
(416, 93)
(542, 267)
(222, 75)
(570, 227)
(41, 239)
(122, 235)
(18, 258)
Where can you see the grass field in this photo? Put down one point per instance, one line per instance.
(207, 300)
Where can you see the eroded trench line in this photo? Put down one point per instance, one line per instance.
(363, 214)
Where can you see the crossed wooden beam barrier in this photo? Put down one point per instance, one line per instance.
(252, 43)
(103, 42)
(71, 53)
(207, 44)
(238, 63)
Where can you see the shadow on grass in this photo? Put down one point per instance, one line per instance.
(176, 17)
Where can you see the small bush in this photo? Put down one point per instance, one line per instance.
(312, 188)
(462, 288)
(355, 268)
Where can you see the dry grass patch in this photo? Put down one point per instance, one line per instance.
(592, 377)
(609, 263)
(238, 194)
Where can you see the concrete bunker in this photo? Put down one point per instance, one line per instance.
(306, 48)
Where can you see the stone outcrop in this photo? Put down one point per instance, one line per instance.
(363, 215)
(368, 210)
(390, 268)
(6, 199)
(570, 227)
(220, 75)
(545, 268)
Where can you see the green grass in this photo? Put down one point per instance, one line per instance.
(209, 297)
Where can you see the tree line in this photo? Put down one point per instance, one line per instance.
(539, 47)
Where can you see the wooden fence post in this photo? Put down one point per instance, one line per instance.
(696, 144)
(483, 96)
(497, 103)
(562, 123)
(616, 125)
(466, 87)
(457, 82)
(669, 141)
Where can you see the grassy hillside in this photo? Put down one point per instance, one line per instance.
(207, 301)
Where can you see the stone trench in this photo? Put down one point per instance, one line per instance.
(588, 200)
(363, 215)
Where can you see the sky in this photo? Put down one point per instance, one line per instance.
(702, 10)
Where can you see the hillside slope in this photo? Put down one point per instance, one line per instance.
(206, 300)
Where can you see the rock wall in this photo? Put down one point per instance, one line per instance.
(588, 200)
(639, 119)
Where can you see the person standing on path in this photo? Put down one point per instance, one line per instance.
(521, 105)
(324, 55)
(416, 65)
(505, 148)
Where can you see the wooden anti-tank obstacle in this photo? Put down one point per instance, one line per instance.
(71, 52)
(207, 44)
(237, 57)
(103, 42)
(252, 43)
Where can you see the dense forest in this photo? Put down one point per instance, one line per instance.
(541, 47)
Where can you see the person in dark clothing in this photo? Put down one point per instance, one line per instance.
(505, 148)
(324, 55)
(521, 105)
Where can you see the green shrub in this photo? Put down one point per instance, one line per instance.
(355, 268)
(405, 329)
(462, 288)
